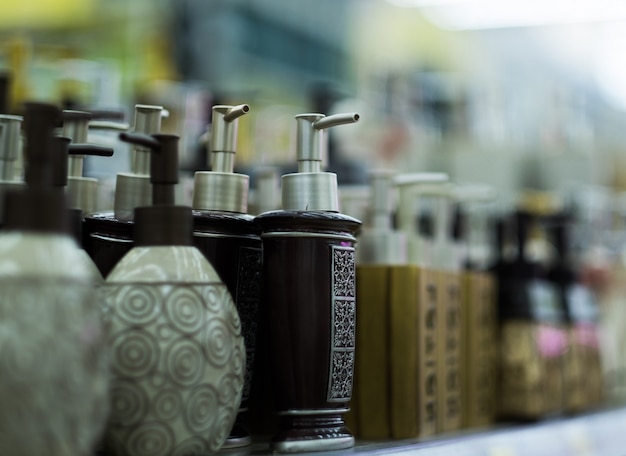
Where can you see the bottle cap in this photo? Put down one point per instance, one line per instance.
(221, 189)
(310, 189)
(163, 223)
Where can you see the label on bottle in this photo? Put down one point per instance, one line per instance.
(343, 324)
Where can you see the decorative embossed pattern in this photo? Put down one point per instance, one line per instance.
(178, 363)
(247, 302)
(343, 272)
(54, 363)
(343, 324)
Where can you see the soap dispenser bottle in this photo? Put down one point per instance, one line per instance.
(230, 240)
(178, 356)
(108, 236)
(10, 147)
(54, 383)
(413, 319)
(309, 291)
(446, 266)
(381, 251)
(478, 315)
(583, 373)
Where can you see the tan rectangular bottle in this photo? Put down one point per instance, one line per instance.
(370, 416)
(412, 348)
(478, 345)
(448, 351)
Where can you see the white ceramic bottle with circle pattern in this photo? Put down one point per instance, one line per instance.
(53, 358)
(178, 356)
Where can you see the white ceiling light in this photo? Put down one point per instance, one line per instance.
(486, 14)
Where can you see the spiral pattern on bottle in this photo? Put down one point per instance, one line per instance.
(135, 353)
(201, 409)
(167, 404)
(151, 439)
(185, 362)
(191, 447)
(183, 308)
(229, 388)
(223, 424)
(213, 297)
(137, 304)
(129, 403)
(219, 342)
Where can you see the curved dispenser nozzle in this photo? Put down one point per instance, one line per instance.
(163, 223)
(310, 189)
(408, 185)
(221, 189)
(133, 189)
(380, 244)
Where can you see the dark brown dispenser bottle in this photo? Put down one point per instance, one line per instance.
(230, 240)
(309, 293)
(108, 236)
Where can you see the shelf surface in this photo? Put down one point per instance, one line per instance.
(601, 433)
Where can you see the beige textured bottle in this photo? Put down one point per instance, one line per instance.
(54, 382)
(178, 356)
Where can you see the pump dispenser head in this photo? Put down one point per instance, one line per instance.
(40, 207)
(380, 244)
(310, 189)
(221, 189)
(133, 189)
(163, 223)
(81, 191)
(408, 187)
(474, 200)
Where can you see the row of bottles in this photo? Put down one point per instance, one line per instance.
(461, 330)
(153, 321)
(167, 314)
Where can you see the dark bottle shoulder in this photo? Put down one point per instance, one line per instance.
(324, 221)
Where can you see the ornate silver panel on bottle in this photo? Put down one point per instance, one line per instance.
(343, 324)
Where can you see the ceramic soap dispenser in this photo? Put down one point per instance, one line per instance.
(108, 236)
(10, 147)
(54, 383)
(309, 292)
(178, 356)
(229, 238)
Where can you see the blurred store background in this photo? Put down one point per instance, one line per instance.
(517, 94)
